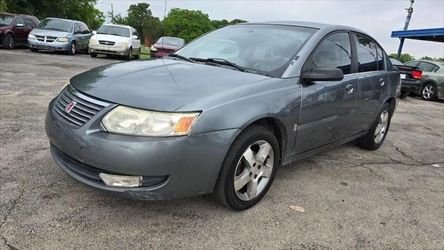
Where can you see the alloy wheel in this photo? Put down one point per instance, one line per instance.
(428, 91)
(253, 170)
(10, 42)
(381, 128)
(73, 48)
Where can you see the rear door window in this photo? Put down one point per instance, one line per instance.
(84, 29)
(19, 21)
(29, 24)
(77, 29)
(367, 53)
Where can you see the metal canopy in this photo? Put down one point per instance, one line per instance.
(434, 35)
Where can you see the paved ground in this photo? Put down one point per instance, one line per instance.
(390, 198)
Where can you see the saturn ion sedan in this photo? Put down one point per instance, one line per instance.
(223, 113)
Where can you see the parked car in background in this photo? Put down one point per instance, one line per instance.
(57, 34)
(410, 78)
(432, 80)
(166, 45)
(224, 112)
(113, 39)
(14, 29)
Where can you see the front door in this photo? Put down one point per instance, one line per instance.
(328, 107)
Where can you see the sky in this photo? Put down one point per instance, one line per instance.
(376, 17)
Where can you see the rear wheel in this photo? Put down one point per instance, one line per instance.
(377, 133)
(428, 91)
(248, 169)
(93, 54)
(9, 41)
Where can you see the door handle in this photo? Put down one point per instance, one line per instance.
(349, 88)
(381, 82)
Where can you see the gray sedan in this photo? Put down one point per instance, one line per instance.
(224, 112)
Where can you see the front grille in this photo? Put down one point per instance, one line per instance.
(84, 108)
(48, 39)
(103, 42)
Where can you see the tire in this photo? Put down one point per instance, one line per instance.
(9, 41)
(72, 49)
(93, 54)
(130, 54)
(404, 94)
(258, 171)
(377, 133)
(428, 91)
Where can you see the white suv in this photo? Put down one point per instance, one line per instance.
(113, 39)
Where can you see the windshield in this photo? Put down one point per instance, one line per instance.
(174, 41)
(6, 20)
(55, 24)
(114, 30)
(265, 49)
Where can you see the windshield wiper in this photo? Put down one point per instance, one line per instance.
(220, 61)
(181, 57)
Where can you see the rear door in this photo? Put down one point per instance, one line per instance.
(372, 79)
(86, 35)
(328, 107)
(20, 31)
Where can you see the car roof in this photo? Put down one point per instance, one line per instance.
(433, 62)
(320, 26)
(11, 14)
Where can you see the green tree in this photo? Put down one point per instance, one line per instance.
(3, 5)
(217, 24)
(187, 24)
(404, 57)
(83, 10)
(139, 16)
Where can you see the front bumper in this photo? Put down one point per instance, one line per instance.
(107, 49)
(53, 46)
(178, 166)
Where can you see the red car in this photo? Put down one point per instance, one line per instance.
(166, 45)
(14, 29)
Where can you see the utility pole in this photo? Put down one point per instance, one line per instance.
(112, 12)
(406, 26)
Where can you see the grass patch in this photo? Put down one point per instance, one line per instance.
(144, 52)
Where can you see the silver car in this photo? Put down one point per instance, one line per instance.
(432, 80)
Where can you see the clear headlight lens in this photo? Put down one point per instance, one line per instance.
(132, 121)
(123, 44)
(152, 48)
(30, 36)
(93, 41)
(63, 39)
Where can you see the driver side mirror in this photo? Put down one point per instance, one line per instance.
(135, 37)
(20, 25)
(323, 74)
(94, 32)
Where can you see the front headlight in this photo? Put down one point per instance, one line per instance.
(63, 39)
(92, 41)
(123, 44)
(152, 48)
(132, 121)
(30, 36)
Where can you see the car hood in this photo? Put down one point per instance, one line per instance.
(55, 33)
(162, 84)
(111, 38)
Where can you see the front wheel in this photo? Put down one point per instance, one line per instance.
(72, 49)
(248, 169)
(428, 91)
(377, 133)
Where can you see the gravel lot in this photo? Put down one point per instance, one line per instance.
(390, 198)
